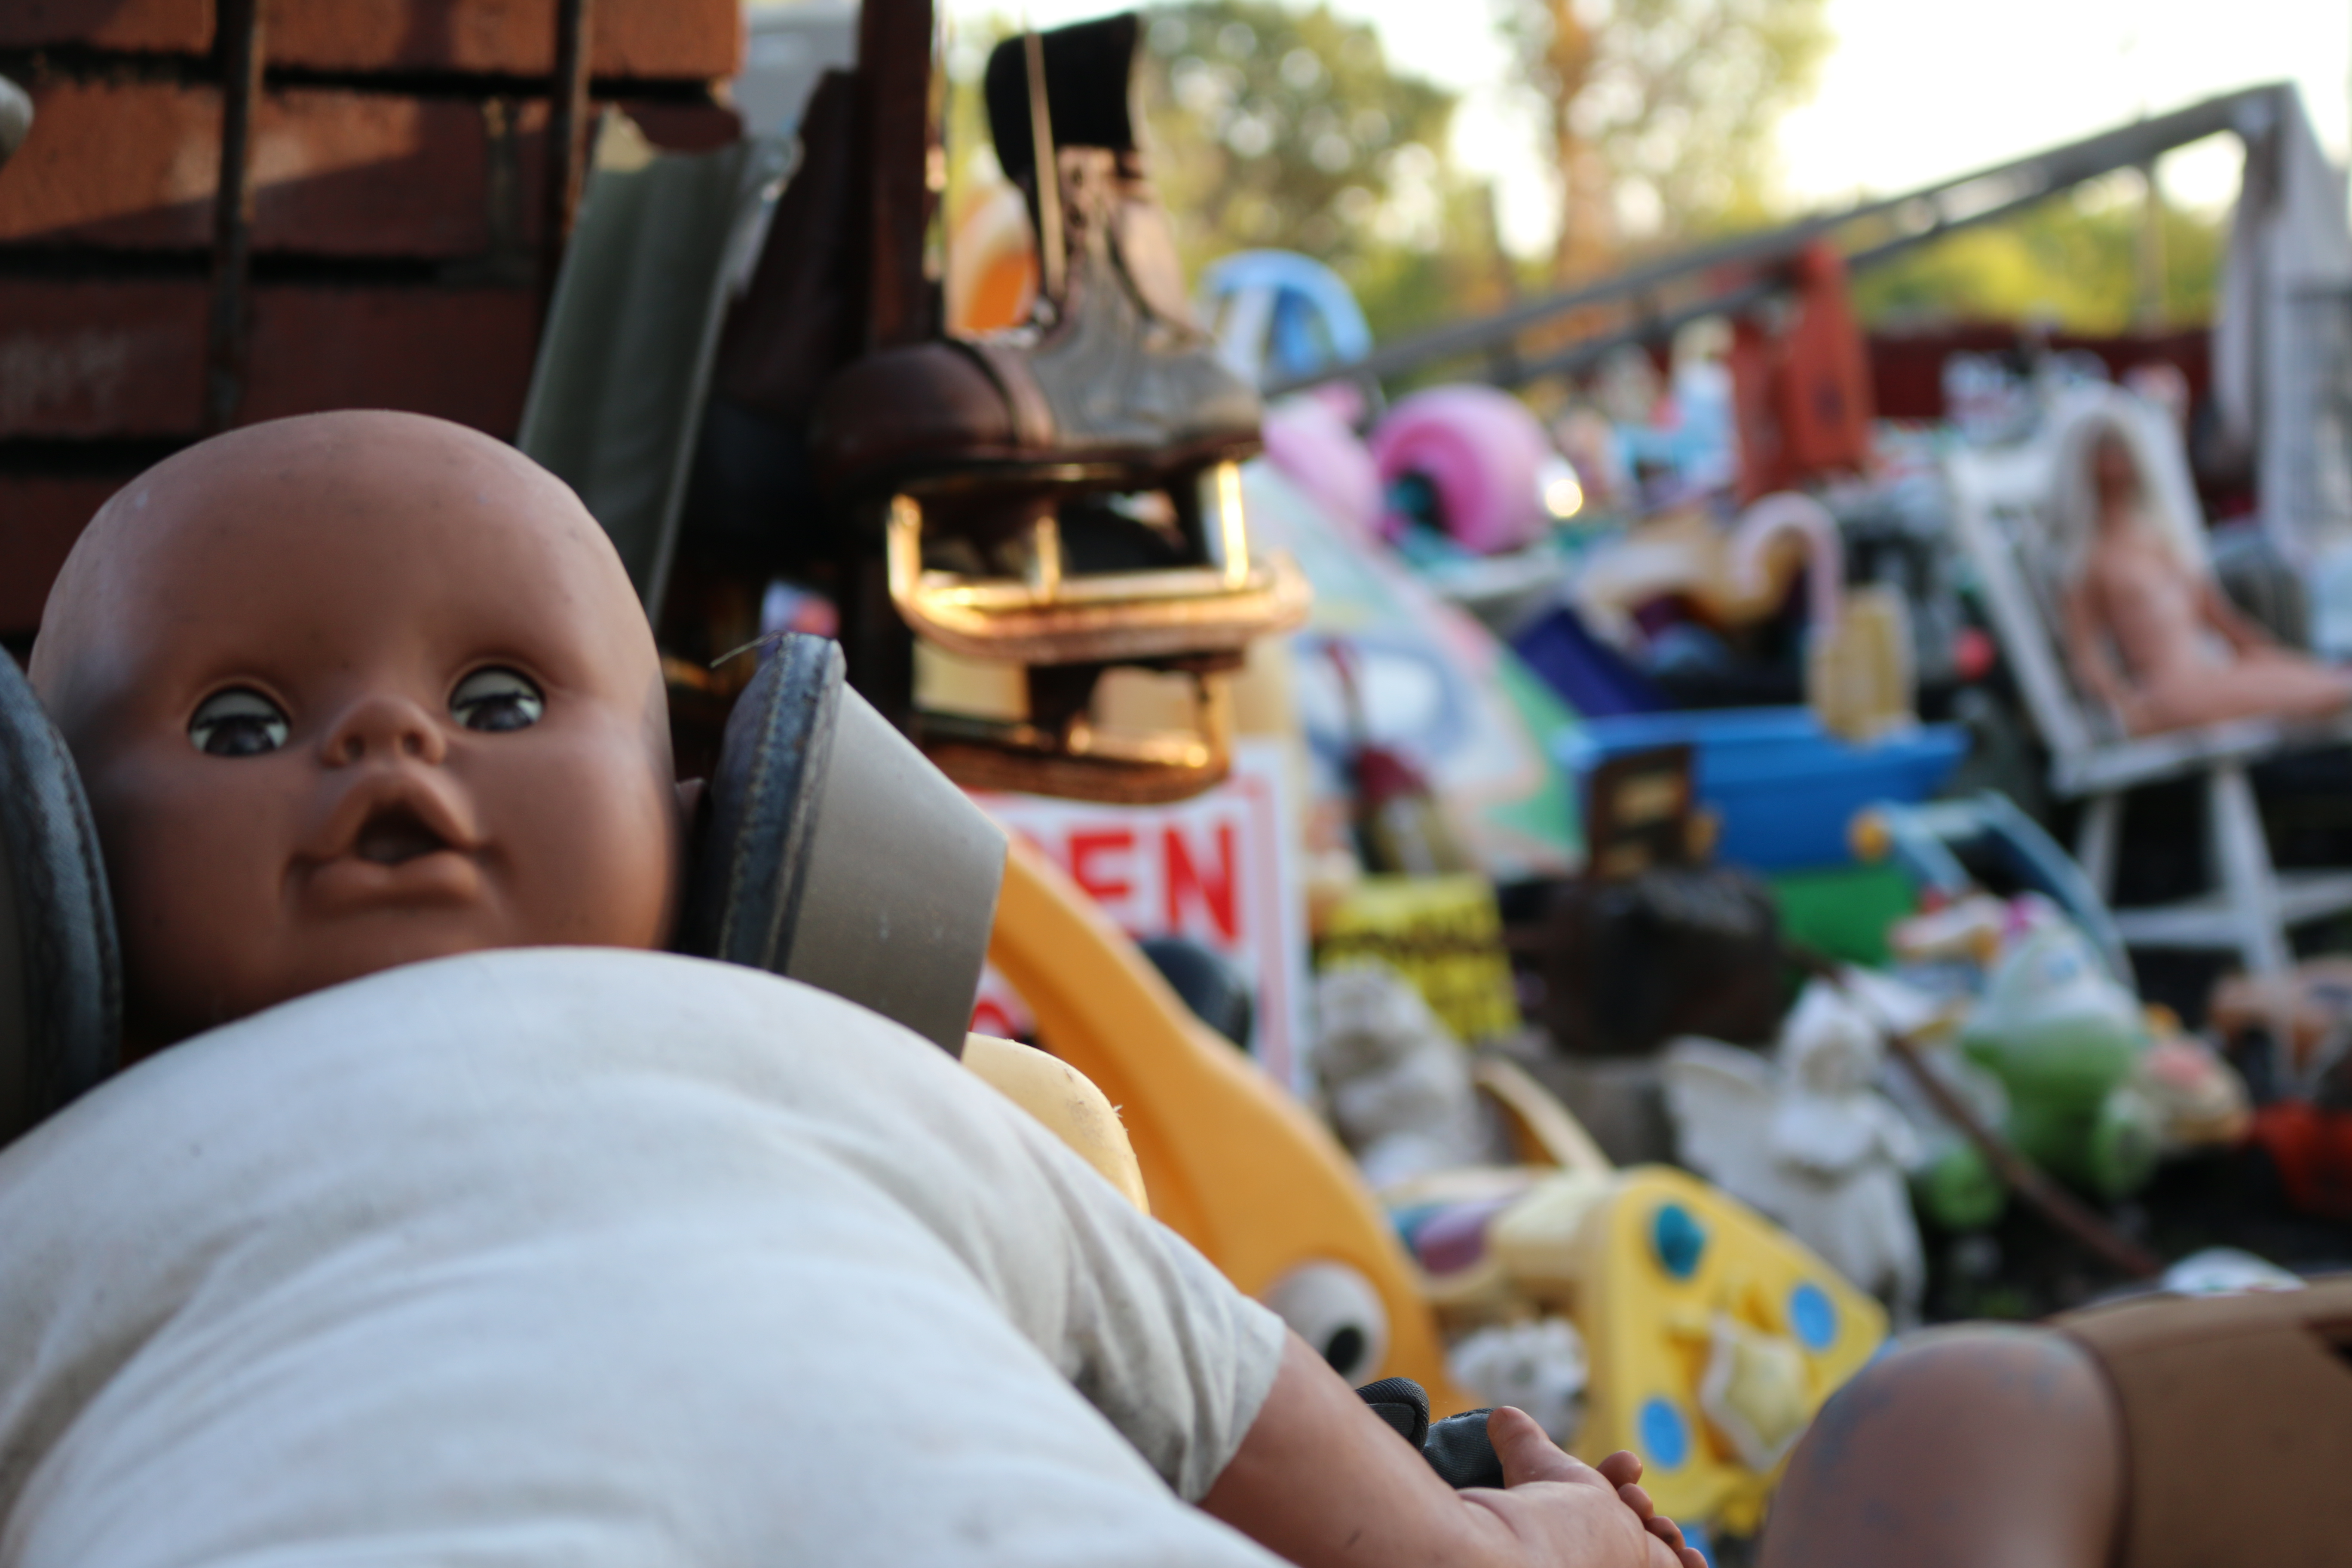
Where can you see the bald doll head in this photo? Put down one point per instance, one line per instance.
(353, 690)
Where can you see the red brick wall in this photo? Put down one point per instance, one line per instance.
(397, 201)
(124, 360)
(135, 165)
(178, 27)
(40, 517)
(651, 39)
(688, 40)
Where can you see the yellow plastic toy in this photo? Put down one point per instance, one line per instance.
(1231, 1162)
(1713, 1335)
(1072, 1108)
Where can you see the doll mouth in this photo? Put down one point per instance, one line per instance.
(392, 839)
(396, 835)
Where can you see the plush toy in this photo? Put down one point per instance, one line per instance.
(1538, 1366)
(1808, 1140)
(2065, 1040)
(1399, 1086)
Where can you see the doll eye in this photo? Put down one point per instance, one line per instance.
(497, 701)
(239, 722)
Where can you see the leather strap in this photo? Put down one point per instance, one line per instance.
(1008, 366)
(61, 973)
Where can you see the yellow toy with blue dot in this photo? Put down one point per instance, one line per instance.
(1713, 1335)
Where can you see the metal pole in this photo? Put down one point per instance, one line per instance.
(226, 332)
(1050, 251)
(2151, 251)
(567, 136)
(1951, 204)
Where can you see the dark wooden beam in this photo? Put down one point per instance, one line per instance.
(897, 133)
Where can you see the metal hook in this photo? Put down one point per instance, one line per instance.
(1049, 173)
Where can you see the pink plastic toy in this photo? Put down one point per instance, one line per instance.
(1483, 451)
(1308, 442)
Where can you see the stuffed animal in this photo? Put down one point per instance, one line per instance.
(1808, 1139)
(1398, 1086)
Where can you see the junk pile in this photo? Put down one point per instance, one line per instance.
(1566, 888)
(1704, 766)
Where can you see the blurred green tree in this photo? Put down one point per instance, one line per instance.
(1289, 129)
(2070, 262)
(1658, 114)
(1273, 126)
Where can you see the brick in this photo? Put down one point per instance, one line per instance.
(694, 40)
(173, 27)
(461, 353)
(87, 360)
(41, 515)
(135, 165)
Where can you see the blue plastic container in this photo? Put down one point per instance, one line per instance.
(1785, 788)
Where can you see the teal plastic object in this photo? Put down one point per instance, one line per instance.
(1679, 1239)
(2063, 1037)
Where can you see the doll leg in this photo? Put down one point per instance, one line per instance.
(1972, 1447)
(2277, 685)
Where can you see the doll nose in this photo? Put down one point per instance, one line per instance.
(382, 728)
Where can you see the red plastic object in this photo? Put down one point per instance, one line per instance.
(2312, 1150)
(1802, 394)
(1972, 654)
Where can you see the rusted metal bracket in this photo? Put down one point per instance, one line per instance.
(567, 138)
(228, 329)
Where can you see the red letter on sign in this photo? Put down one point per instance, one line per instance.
(1107, 886)
(1216, 891)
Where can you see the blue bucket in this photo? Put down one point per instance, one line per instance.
(1785, 788)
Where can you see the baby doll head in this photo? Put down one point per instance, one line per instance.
(352, 690)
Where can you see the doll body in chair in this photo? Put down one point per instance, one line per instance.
(2164, 619)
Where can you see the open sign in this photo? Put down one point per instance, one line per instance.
(1221, 868)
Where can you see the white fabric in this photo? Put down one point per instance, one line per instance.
(2281, 381)
(586, 1257)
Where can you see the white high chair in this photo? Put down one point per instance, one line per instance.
(2022, 512)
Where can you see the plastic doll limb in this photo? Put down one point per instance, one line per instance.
(2261, 685)
(1232, 1163)
(1977, 1447)
(1321, 1480)
(1072, 1109)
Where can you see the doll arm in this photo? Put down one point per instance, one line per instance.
(1972, 1447)
(2086, 649)
(1322, 1481)
(2242, 634)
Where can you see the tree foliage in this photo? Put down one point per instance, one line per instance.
(2073, 262)
(1659, 113)
(1282, 128)
(1288, 129)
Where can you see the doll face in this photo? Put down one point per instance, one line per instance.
(350, 691)
(2114, 474)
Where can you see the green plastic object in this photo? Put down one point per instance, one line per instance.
(1845, 911)
(1959, 1189)
(2063, 1037)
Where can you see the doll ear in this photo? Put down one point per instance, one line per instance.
(60, 972)
(834, 852)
